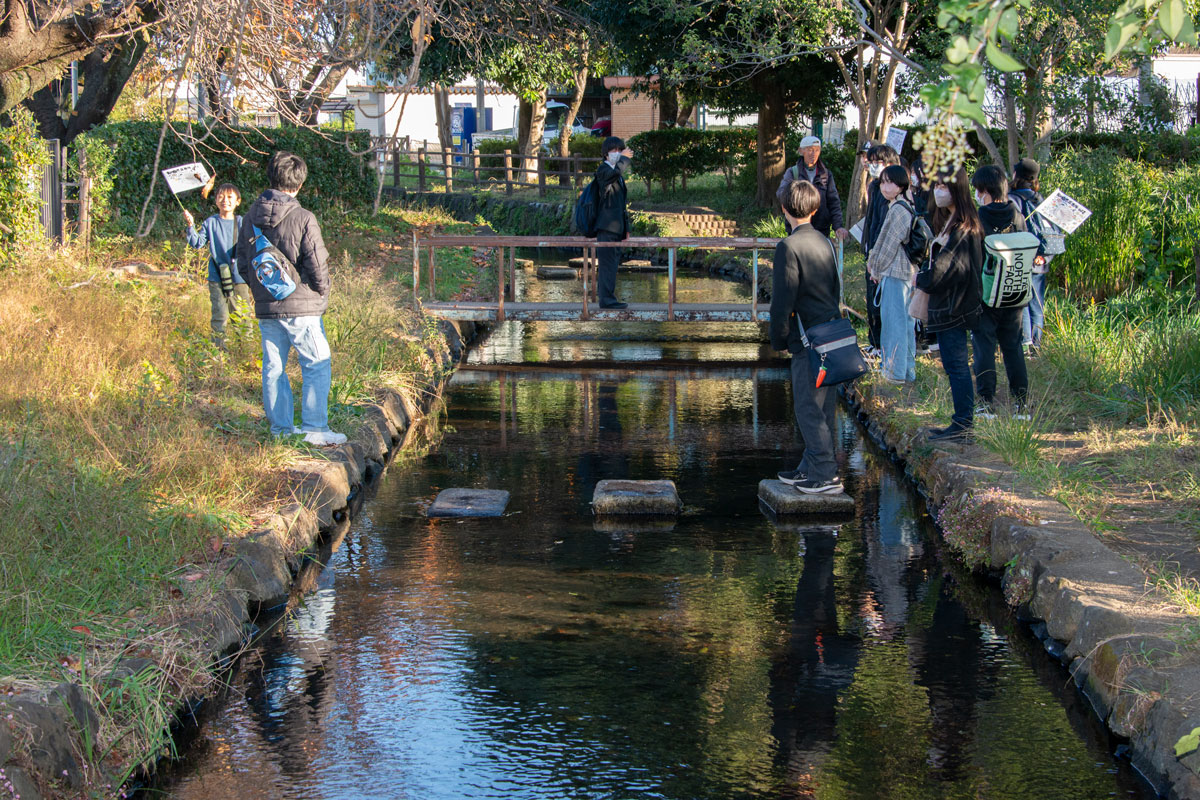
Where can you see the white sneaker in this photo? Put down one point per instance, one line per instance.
(324, 438)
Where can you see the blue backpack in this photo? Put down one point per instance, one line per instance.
(271, 267)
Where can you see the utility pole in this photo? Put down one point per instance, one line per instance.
(481, 106)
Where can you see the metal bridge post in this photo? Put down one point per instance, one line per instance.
(416, 270)
(500, 285)
(671, 284)
(754, 289)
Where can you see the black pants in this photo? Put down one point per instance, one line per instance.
(999, 327)
(814, 409)
(609, 259)
(874, 321)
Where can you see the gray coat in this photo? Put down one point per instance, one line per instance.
(295, 231)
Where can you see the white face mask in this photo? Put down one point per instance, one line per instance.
(875, 169)
(941, 198)
(614, 157)
(982, 199)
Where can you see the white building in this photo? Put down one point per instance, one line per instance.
(377, 109)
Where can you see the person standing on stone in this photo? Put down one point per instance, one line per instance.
(879, 157)
(294, 321)
(811, 168)
(612, 217)
(806, 292)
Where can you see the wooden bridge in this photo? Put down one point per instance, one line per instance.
(587, 308)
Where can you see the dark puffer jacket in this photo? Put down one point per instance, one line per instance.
(953, 280)
(296, 232)
(829, 213)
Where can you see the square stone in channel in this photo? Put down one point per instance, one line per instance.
(469, 503)
(635, 497)
(784, 499)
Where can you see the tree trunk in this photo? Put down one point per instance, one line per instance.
(668, 107)
(772, 130)
(568, 121)
(441, 110)
(1010, 122)
(531, 122)
(104, 73)
(684, 117)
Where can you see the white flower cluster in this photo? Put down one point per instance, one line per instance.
(943, 145)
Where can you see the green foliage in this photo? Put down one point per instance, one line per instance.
(22, 156)
(336, 177)
(585, 145)
(1144, 224)
(668, 154)
(729, 150)
(99, 158)
(1134, 356)
(491, 154)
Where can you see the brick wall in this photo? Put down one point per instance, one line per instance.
(632, 114)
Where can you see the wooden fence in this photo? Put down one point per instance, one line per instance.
(434, 167)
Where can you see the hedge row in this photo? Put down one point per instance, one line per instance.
(22, 156)
(668, 154)
(337, 178)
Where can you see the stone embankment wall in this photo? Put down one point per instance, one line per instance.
(1132, 656)
(45, 734)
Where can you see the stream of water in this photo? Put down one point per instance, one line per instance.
(550, 654)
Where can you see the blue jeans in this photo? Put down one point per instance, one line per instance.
(897, 337)
(952, 347)
(1035, 312)
(307, 335)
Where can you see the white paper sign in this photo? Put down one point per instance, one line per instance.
(1063, 211)
(896, 137)
(857, 231)
(185, 177)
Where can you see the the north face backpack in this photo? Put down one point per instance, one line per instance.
(271, 267)
(583, 221)
(920, 237)
(1008, 269)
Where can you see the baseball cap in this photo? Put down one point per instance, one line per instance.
(809, 141)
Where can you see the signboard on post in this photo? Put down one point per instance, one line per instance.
(1063, 211)
(186, 177)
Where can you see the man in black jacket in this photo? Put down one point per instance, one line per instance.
(805, 292)
(612, 219)
(292, 321)
(811, 168)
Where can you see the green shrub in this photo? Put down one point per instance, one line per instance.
(1144, 223)
(668, 154)
(336, 177)
(585, 145)
(22, 156)
(491, 156)
(728, 150)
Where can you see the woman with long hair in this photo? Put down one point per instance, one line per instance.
(953, 279)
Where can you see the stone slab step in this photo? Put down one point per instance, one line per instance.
(635, 497)
(784, 499)
(524, 263)
(469, 503)
(557, 273)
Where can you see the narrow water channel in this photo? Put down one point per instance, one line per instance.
(548, 654)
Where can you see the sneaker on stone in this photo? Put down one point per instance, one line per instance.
(324, 438)
(790, 477)
(810, 486)
(951, 434)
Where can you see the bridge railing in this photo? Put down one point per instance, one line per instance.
(506, 276)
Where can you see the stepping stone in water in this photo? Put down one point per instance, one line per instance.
(575, 262)
(557, 273)
(784, 499)
(469, 503)
(635, 497)
(642, 265)
(524, 263)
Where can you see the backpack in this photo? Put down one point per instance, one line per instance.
(920, 237)
(1008, 269)
(583, 221)
(271, 267)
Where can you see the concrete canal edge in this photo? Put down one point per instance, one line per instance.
(46, 734)
(1129, 654)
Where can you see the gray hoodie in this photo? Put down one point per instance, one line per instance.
(296, 232)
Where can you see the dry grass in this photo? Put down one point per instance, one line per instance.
(131, 450)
